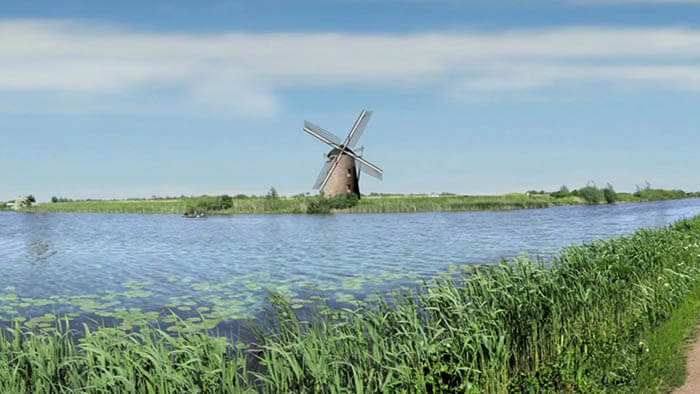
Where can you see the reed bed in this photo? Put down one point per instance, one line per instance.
(573, 324)
(111, 361)
(115, 206)
(368, 204)
(578, 323)
(300, 204)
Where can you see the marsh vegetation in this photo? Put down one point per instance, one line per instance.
(272, 202)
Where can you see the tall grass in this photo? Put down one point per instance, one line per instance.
(578, 323)
(110, 361)
(449, 203)
(272, 203)
(573, 324)
(303, 204)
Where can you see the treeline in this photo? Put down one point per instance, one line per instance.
(592, 194)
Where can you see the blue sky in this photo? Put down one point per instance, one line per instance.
(118, 99)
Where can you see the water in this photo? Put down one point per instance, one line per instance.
(130, 269)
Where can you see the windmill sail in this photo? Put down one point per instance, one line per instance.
(359, 127)
(323, 135)
(362, 167)
(322, 175)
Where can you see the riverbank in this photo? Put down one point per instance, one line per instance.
(368, 204)
(583, 322)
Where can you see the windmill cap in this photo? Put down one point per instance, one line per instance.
(335, 151)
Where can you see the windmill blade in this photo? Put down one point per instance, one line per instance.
(367, 164)
(322, 175)
(362, 167)
(323, 135)
(359, 127)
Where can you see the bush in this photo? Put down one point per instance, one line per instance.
(209, 203)
(55, 199)
(642, 188)
(591, 194)
(272, 194)
(344, 201)
(647, 193)
(322, 205)
(563, 192)
(609, 194)
(318, 206)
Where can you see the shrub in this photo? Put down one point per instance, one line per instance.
(209, 203)
(563, 192)
(591, 194)
(642, 188)
(272, 194)
(609, 194)
(322, 205)
(343, 201)
(318, 206)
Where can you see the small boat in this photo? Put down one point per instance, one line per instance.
(193, 215)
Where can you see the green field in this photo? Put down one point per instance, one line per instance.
(608, 316)
(368, 204)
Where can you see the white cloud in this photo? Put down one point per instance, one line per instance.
(106, 67)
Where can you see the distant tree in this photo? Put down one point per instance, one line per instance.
(225, 201)
(54, 199)
(31, 199)
(609, 194)
(272, 194)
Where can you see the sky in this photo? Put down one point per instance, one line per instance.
(134, 99)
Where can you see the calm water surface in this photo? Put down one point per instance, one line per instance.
(136, 269)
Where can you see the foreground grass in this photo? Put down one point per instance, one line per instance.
(664, 366)
(368, 204)
(580, 323)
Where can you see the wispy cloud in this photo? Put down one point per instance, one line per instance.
(97, 68)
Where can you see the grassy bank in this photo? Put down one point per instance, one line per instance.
(368, 204)
(664, 365)
(595, 319)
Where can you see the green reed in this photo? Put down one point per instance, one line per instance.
(572, 324)
(111, 361)
(368, 204)
(300, 204)
(582, 322)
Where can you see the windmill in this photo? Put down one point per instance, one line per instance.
(341, 171)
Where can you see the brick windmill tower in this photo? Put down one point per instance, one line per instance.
(341, 171)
